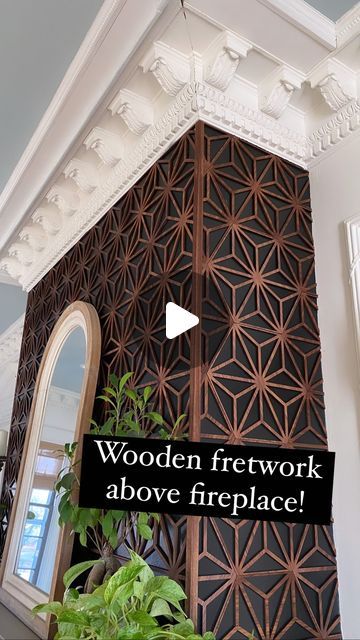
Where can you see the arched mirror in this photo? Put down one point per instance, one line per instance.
(38, 551)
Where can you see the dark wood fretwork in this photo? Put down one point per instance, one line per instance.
(224, 229)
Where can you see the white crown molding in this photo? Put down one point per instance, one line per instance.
(305, 16)
(337, 83)
(224, 55)
(137, 112)
(84, 85)
(10, 342)
(170, 67)
(228, 114)
(334, 130)
(347, 27)
(276, 90)
(65, 231)
(160, 94)
(106, 144)
(83, 173)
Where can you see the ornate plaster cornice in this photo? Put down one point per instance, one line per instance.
(10, 342)
(162, 92)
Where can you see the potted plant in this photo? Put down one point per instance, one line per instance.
(128, 412)
(133, 604)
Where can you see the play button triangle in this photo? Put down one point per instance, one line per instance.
(178, 320)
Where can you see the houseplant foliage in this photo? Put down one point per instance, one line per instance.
(133, 604)
(128, 412)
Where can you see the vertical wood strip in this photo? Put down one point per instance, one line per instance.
(193, 523)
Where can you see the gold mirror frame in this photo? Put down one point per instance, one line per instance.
(15, 593)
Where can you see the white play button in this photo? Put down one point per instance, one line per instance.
(178, 320)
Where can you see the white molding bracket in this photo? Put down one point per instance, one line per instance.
(137, 112)
(224, 55)
(276, 90)
(22, 251)
(83, 173)
(337, 83)
(154, 91)
(106, 144)
(48, 218)
(34, 235)
(64, 198)
(169, 66)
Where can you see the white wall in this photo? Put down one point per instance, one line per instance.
(335, 192)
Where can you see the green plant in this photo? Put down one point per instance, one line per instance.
(133, 604)
(128, 412)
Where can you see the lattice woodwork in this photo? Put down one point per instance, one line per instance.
(128, 266)
(262, 384)
(224, 229)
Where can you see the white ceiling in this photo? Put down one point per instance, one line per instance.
(38, 40)
(333, 9)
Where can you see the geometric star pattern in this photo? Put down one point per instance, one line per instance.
(262, 385)
(244, 215)
(137, 258)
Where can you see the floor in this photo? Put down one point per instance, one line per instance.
(11, 628)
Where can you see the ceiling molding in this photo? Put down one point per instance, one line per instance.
(161, 92)
(309, 19)
(86, 81)
(347, 27)
(10, 342)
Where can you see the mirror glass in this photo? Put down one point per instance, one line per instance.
(36, 553)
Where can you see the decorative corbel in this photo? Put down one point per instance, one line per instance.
(65, 199)
(137, 112)
(83, 173)
(49, 219)
(12, 266)
(276, 90)
(337, 83)
(22, 251)
(106, 144)
(170, 67)
(35, 236)
(223, 56)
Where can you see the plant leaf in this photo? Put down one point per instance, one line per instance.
(160, 608)
(147, 393)
(124, 379)
(142, 618)
(73, 617)
(48, 607)
(124, 576)
(107, 524)
(131, 394)
(156, 417)
(145, 531)
(71, 574)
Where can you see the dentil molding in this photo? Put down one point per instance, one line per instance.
(134, 128)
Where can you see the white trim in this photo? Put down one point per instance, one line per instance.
(25, 595)
(10, 342)
(352, 227)
(121, 112)
(67, 97)
(305, 16)
(347, 27)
